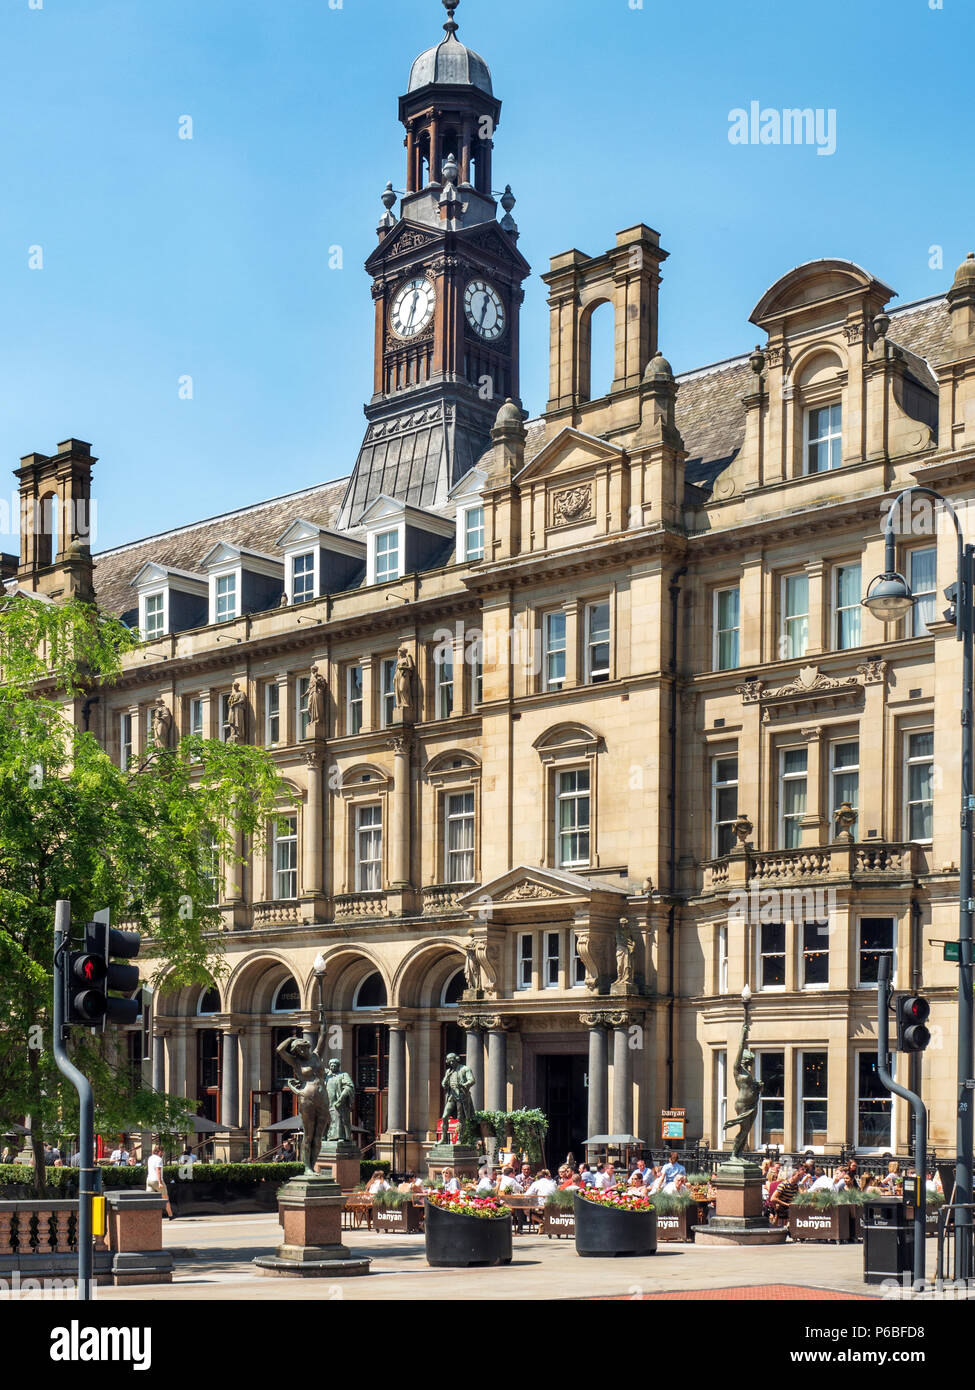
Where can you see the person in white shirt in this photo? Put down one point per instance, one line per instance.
(485, 1185)
(508, 1183)
(450, 1182)
(607, 1178)
(119, 1157)
(377, 1183)
(823, 1181)
(154, 1178)
(544, 1185)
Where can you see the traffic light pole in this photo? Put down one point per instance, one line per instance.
(917, 1105)
(86, 1123)
(965, 619)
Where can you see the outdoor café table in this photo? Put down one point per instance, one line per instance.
(358, 1208)
(531, 1206)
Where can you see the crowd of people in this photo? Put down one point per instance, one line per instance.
(782, 1183)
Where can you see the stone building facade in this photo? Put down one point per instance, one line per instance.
(606, 734)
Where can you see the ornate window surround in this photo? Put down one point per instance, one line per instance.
(363, 784)
(562, 748)
(444, 779)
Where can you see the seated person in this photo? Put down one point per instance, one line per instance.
(784, 1196)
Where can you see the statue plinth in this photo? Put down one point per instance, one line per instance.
(310, 1212)
(738, 1217)
(461, 1157)
(340, 1160)
(402, 718)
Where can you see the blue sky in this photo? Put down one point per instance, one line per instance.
(209, 257)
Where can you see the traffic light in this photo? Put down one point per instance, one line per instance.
(912, 1014)
(92, 973)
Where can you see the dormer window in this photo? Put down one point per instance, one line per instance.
(387, 556)
(153, 616)
(170, 600)
(824, 438)
(473, 534)
(302, 577)
(226, 598)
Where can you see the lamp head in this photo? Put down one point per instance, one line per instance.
(889, 597)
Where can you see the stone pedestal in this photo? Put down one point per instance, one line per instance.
(461, 1157)
(310, 1212)
(340, 1160)
(738, 1218)
(135, 1239)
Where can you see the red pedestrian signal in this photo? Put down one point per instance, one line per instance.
(912, 1012)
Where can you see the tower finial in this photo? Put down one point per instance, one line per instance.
(450, 6)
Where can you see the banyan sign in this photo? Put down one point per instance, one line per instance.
(672, 1123)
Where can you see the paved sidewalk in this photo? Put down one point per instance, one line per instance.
(215, 1255)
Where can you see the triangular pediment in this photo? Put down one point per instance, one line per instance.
(535, 884)
(402, 239)
(489, 238)
(470, 485)
(571, 449)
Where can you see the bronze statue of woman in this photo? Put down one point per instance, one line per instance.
(308, 1064)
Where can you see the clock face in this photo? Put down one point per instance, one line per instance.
(484, 309)
(413, 306)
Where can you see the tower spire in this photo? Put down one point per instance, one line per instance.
(450, 6)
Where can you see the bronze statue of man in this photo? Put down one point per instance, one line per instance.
(458, 1083)
(308, 1064)
(340, 1090)
(749, 1090)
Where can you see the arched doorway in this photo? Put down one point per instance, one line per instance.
(371, 1052)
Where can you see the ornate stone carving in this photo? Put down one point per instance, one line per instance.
(523, 892)
(584, 945)
(237, 709)
(405, 685)
(595, 1019)
(750, 692)
(574, 504)
(873, 672)
(162, 724)
(853, 332)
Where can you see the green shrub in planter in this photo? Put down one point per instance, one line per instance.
(671, 1203)
(560, 1200)
(391, 1200)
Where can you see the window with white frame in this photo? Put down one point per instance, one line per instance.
(126, 740)
(724, 804)
(272, 713)
(302, 577)
(770, 1071)
(771, 955)
(526, 960)
(554, 649)
(213, 873)
(368, 848)
(597, 643)
(572, 802)
(795, 616)
(553, 959)
(302, 719)
(875, 938)
(387, 693)
(474, 533)
(727, 627)
(824, 438)
(722, 953)
(919, 784)
(225, 718)
(196, 717)
(155, 611)
(812, 1078)
(387, 556)
(874, 1103)
(578, 964)
(444, 667)
(225, 590)
(285, 858)
(793, 766)
(814, 971)
(459, 837)
(846, 605)
(720, 1094)
(473, 655)
(923, 579)
(353, 700)
(844, 774)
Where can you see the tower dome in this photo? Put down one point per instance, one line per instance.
(449, 63)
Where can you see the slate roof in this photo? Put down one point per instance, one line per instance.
(709, 413)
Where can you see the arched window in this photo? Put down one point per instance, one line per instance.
(371, 993)
(287, 997)
(453, 989)
(601, 333)
(209, 1001)
(47, 530)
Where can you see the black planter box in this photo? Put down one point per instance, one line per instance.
(558, 1221)
(822, 1223)
(679, 1225)
(452, 1239)
(404, 1220)
(605, 1231)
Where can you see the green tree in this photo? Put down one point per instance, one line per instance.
(139, 841)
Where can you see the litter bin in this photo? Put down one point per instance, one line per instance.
(888, 1239)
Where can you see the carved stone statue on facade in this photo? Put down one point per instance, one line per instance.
(405, 683)
(317, 691)
(162, 724)
(625, 951)
(237, 715)
(749, 1088)
(472, 966)
(308, 1065)
(340, 1090)
(457, 1084)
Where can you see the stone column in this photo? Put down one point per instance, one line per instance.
(365, 665)
(497, 1058)
(475, 1059)
(396, 1099)
(815, 823)
(313, 838)
(230, 1089)
(399, 858)
(622, 1120)
(598, 1072)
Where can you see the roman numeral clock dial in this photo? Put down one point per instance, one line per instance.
(412, 307)
(484, 310)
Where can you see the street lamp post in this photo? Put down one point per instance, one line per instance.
(889, 598)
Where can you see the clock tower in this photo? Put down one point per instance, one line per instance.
(446, 284)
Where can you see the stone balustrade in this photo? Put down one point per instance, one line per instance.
(869, 860)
